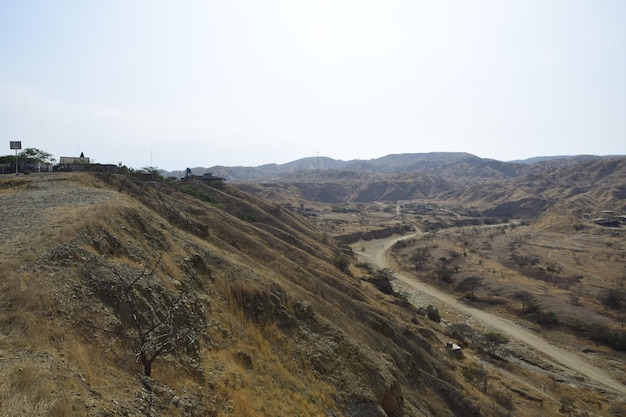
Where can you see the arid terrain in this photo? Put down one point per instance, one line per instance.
(135, 295)
(539, 346)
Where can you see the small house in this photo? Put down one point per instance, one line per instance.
(454, 349)
(73, 163)
(209, 178)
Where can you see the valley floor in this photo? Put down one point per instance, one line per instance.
(573, 366)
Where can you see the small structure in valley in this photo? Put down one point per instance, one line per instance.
(454, 349)
(206, 178)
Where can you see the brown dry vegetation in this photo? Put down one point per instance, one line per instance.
(275, 328)
(532, 240)
(275, 325)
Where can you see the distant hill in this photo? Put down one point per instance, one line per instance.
(559, 193)
(244, 174)
(562, 160)
(450, 165)
(411, 176)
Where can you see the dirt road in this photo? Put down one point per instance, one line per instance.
(376, 253)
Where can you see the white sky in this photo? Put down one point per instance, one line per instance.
(177, 84)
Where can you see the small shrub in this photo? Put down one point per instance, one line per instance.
(382, 284)
(461, 331)
(546, 318)
(248, 218)
(401, 244)
(367, 266)
(567, 404)
(433, 313)
(476, 375)
(493, 344)
(382, 281)
(613, 299)
(342, 262)
(503, 399)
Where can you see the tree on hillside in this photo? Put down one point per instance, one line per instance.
(614, 298)
(420, 257)
(342, 262)
(493, 342)
(526, 298)
(36, 155)
(470, 285)
(443, 270)
(157, 323)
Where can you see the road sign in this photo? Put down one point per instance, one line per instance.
(16, 144)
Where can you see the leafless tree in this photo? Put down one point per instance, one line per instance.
(420, 257)
(155, 325)
(470, 285)
(524, 297)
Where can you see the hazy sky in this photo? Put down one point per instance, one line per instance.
(174, 84)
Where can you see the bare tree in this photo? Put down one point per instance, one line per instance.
(476, 375)
(156, 325)
(526, 298)
(420, 257)
(470, 285)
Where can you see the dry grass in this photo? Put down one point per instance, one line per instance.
(38, 316)
(64, 407)
(23, 304)
(274, 385)
(27, 390)
(276, 381)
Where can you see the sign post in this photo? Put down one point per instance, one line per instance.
(16, 144)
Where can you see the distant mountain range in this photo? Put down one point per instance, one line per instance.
(447, 165)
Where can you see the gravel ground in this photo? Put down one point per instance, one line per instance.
(29, 203)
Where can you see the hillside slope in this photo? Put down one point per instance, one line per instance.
(470, 180)
(123, 297)
(457, 166)
(559, 196)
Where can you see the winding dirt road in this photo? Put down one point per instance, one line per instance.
(375, 252)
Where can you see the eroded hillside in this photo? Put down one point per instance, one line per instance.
(232, 305)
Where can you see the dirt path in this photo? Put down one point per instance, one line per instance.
(376, 253)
